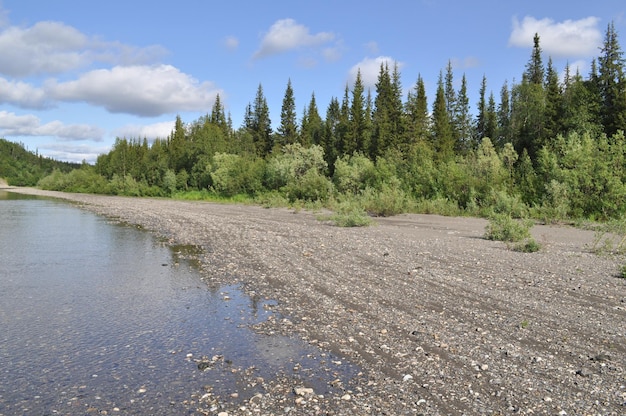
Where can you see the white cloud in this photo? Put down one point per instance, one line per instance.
(370, 69)
(12, 124)
(73, 152)
(231, 43)
(54, 48)
(150, 131)
(286, 35)
(22, 95)
(570, 38)
(141, 90)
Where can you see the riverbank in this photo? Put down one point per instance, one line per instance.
(441, 320)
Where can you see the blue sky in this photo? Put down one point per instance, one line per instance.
(75, 74)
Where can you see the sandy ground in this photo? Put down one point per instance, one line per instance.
(441, 320)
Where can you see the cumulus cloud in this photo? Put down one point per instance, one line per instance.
(73, 152)
(150, 131)
(53, 48)
(12, 124)
(370, 68)
(23, 95)
(570, 38)
(286, 35)
(146, 91)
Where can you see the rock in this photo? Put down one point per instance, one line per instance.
(407, 377)
(303, 391)
(584, 372)
(346, 397)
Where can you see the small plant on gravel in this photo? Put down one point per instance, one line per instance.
(622, 272)
(348, 214)
(502, 227)
(610, 238)
(524, 324)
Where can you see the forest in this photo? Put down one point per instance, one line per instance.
(552, 147)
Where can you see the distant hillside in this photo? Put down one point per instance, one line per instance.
(20, 167)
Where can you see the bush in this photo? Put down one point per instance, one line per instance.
(388, 201)
(502, 227)
(349, 214)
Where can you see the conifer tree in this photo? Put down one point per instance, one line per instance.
(503, 134)
(442, 131)
(612, 82)
(481, 118)
(356, 140)
(288, 129)
(261, 125)
(462, 119)
(491, 118)
(553, 104)
(534, 68)
(332, 132)
(417, 113)
(312, 128)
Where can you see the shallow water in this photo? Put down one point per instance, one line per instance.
(96, 316)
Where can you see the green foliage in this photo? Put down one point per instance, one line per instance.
(353, 174)
(19, 167)
(502, 227)
(610, 237)
(234, 174)
(348, 214)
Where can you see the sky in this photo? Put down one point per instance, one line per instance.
(76, 74)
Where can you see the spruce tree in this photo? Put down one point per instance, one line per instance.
(357, 127)
(312, 128)
(417, 113)
(503, 134)
(288, 129)
(462, 119)
(261, 125)
(553, 104)
(612, 82)
(442, 131)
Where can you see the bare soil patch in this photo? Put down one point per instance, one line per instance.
(441, 320)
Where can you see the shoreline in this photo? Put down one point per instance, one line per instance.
(440, 320)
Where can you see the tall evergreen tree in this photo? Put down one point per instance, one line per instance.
(612, 81)
(553, 104)
(534, 68)
(288, 129)
(449, 92)
(481, 118)
(387, 117)
(417, 113)
(462, 119)
(312, 128)
(503, 117)
(357, 129)
(332, 133)
(491, 118)
(261, 125)
(442, 131)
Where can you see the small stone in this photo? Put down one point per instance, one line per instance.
(234, 395)
(547, 399)
(407, 377)
(222, 414)
(141, 390)
(303, 391)
(346, 397)
(584, 372)
(383, 331)
(484, 367)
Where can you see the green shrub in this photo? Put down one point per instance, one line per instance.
(349, 214)
(388, 201)
(502, 227)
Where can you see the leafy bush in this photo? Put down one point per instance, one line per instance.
(389, 200)
(233, 174)
(502, 227)
(349, 214)
(353, 174)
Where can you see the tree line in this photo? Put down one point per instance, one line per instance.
(549, 146)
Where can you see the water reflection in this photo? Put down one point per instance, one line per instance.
(101, 317)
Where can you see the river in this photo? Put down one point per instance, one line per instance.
(97, 317)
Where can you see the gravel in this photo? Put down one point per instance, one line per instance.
(439, 319)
